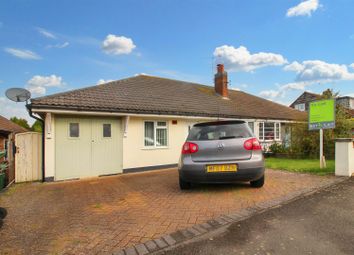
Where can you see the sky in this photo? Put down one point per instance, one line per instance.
(274, 49)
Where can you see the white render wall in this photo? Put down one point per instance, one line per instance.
(344, 157)
(136, 155)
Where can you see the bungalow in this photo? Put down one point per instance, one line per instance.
(140, 123)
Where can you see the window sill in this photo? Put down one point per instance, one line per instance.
(155, 148)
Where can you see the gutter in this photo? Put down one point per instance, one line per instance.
(43, 140)
(157, 115)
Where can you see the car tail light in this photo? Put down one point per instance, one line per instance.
(252, 145)
(189, 148)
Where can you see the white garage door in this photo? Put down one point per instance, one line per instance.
(87, 147)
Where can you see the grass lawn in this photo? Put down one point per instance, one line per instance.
(300, 165)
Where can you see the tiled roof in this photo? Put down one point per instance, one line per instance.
(154, 95)
(305, 98)
(10, 127)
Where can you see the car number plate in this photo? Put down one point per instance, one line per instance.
(221, 168)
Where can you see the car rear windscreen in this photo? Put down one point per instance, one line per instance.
(219, 132)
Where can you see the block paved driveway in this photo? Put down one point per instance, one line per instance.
(101, 215)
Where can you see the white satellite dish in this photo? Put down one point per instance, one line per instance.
(18, 94)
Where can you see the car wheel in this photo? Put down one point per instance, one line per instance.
(184, 185)
(258, 183)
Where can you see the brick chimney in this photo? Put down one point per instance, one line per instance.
(220, 81)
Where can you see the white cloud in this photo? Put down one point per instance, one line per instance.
(137, 74)
(22, 53)
(10, 109)
(117, 45)
(270, 93)
(305, 8)
(38, 84)
(308, 73)
(238, 87)
(317, 70)
(46, 33)
(351, 65)
(59, 45)
(240, 59)
(102, 81)
(275, 94)
(294, 67)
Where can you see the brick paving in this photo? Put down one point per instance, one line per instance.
(102, 215)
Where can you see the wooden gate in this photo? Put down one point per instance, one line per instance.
(28, 163)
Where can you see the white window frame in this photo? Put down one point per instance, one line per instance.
(254, 126)
(155, 137)
(300, 107)
(277, 125)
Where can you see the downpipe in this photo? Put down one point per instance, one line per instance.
(43, 139)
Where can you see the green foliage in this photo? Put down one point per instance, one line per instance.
(306, 143)
(276, 148)
(300, 165)
(21, 122)
(37, 126)
(329, 93)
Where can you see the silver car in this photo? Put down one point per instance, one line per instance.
(221, 152)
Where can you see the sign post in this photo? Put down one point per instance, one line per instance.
(322, 159)
(322, 116)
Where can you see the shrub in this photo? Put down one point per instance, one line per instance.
(306, 143)
(277, 148)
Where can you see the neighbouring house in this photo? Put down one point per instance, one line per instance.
(8, 129)
(302, 102)
(141, 123)
(346, 102)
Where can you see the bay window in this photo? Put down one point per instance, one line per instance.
(155, 133)
(269, 131)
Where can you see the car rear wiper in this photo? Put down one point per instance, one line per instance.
(229, 137)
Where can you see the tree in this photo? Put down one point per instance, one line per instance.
(329, 93)
(37, 126)
(21, 122)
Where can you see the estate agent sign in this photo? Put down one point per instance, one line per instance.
(322, 114)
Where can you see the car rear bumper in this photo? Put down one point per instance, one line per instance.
(248, 170)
